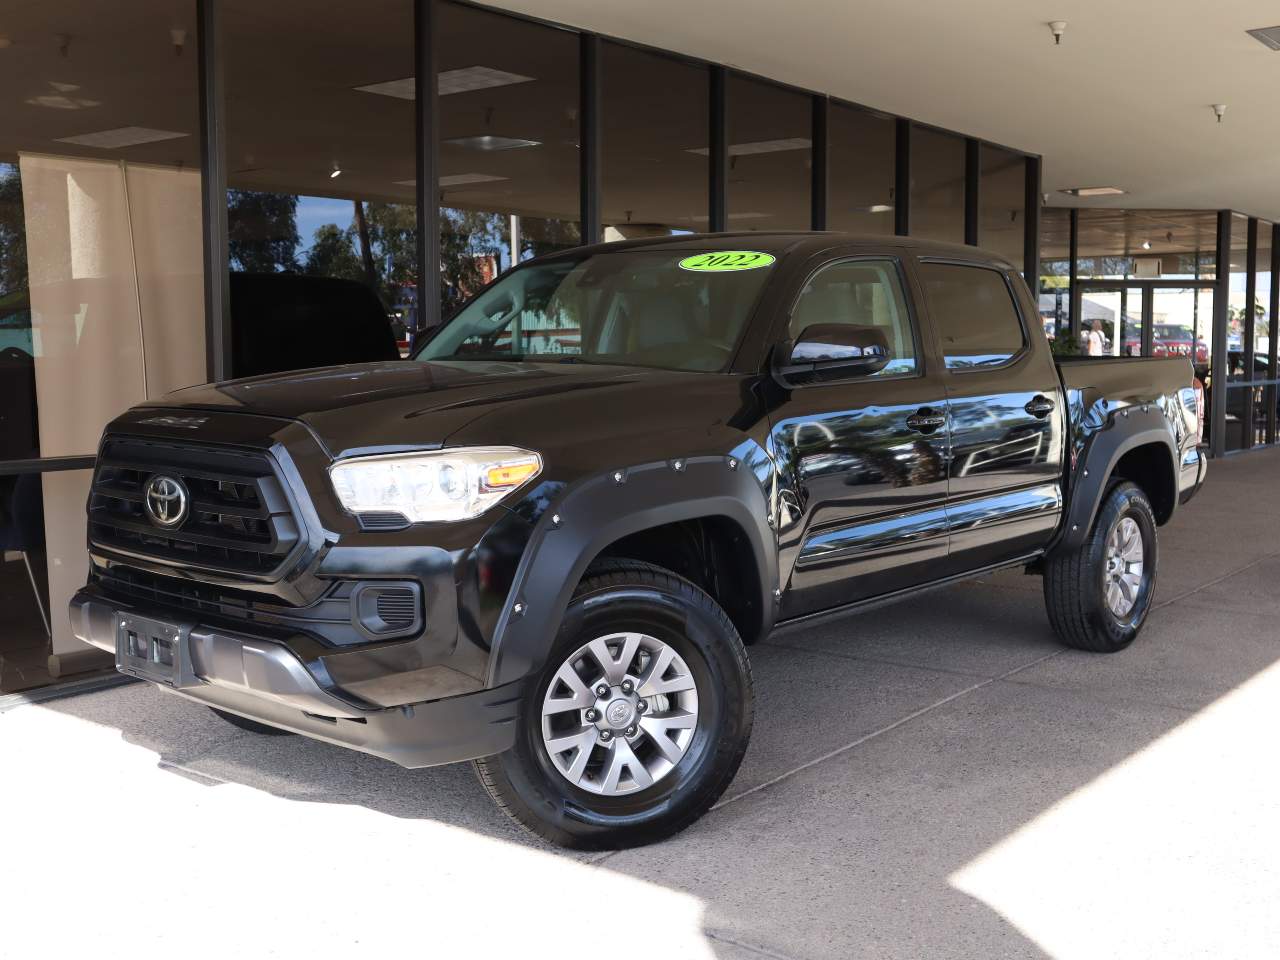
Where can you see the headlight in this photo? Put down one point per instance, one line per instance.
(438, 485)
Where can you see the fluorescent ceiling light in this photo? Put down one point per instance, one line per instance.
(477, 78)
(1269, 37)
(456, 180)
(489, 143)
(880, 208)
(760, 146)
(121, 137)
(1093, 191)
(60, 101)
(403, 88)
(450, 81)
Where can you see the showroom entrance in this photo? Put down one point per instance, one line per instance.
(1150, 318)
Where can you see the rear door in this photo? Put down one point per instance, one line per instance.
(1004, 494)
(862, 459)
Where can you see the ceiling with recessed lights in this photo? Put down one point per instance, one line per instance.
(1125, 99)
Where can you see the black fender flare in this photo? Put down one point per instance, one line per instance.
(600, 509)
(1127, 430)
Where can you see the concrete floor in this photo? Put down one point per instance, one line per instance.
(933, 779)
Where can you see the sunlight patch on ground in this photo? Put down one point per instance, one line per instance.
(1173, 853)
(163, 865)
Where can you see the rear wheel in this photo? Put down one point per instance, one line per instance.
(1098, 596)
(639, 719)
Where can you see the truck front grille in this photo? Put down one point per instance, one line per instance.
(238, 520)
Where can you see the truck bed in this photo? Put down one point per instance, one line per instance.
(1126, 379)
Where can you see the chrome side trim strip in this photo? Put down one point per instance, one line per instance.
(886, 532)
(1003, 507)
(910, 528)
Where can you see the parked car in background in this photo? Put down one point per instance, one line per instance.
(1176, 340)
(289, 321)
(546, 553)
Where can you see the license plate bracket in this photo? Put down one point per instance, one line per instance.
(154, 650)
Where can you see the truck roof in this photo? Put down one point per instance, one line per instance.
(788, 241)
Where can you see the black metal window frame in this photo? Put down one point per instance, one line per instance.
(1266, 387)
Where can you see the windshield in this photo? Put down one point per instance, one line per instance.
(673, 309)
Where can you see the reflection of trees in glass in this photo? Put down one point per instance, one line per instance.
(467, 238)
(13, 232)
(540, 236)
(393, 246)
(262, 231)
(332, 255)
(378, 248)
(472, 241)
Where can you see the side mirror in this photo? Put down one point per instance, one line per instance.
(843, 349)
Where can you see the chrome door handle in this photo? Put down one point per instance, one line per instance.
(1039, 407)
(925, 420)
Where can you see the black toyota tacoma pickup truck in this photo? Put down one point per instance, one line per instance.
(543, 542)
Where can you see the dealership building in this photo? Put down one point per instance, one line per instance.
(158, 157)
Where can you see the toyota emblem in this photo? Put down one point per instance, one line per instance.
(166, 501)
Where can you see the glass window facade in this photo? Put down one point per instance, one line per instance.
(937, 185)
(1054, 288)
(1002, 201)
(1147, 244)
(652, 186)
(320, 182)
(860, 192)
(1245, 382)
(510, 130)
(770, 156)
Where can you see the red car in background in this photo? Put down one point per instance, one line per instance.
(1169, 340)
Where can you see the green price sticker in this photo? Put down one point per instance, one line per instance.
(724, 260)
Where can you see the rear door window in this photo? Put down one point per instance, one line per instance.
(974, 313)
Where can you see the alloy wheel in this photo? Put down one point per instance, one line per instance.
(619, 714)
(1122, 576)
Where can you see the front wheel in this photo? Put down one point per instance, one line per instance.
(1098, 596)
(639, 719)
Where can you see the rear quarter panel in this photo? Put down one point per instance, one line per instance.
(1116, 405)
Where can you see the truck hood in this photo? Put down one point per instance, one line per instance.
(358, 407)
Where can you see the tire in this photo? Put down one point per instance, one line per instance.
(706, 678)
(1076, 582)
(253, 726)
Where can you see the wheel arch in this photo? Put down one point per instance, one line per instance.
(629, 513)
(1138, 446)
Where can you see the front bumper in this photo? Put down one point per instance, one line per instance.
(264, 680)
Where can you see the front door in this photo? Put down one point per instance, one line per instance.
(862, 459)
(1007, 426)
